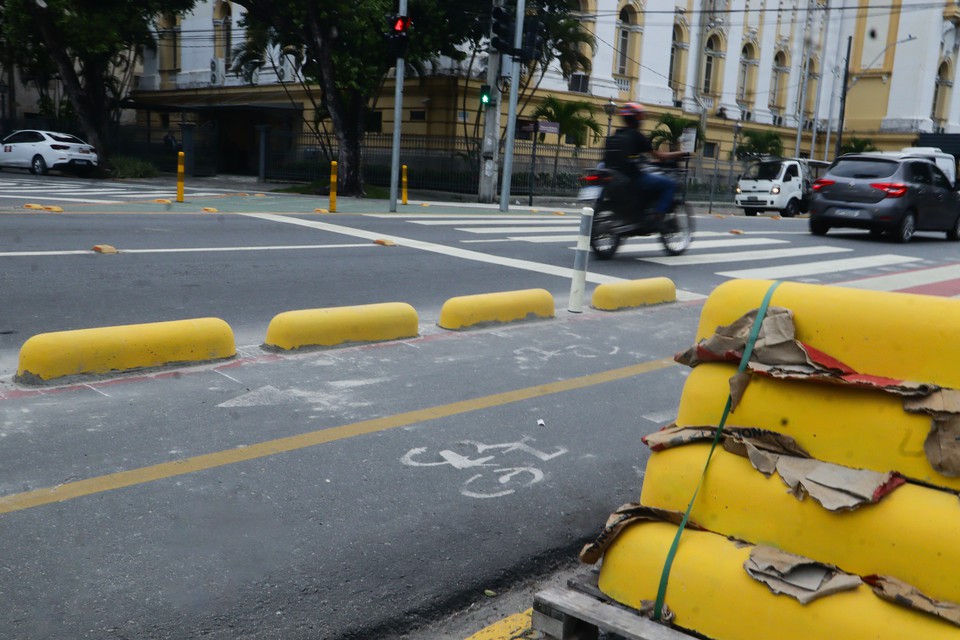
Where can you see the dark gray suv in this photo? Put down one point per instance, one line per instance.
(885, 193)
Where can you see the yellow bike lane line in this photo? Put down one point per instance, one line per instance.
(100, 484)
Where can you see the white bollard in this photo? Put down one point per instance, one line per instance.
(579, 280)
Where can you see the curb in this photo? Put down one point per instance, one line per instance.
(336, 325)
(633, 293)
(47, 356)
(506, 306)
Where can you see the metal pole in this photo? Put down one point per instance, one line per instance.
(533, 159)
(805, 70)
(579, 280)
(512, 112)
(397, 117)
(713, 183)
(843, 97)
(490, 151)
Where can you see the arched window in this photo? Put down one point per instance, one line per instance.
(222, 32)
(624, 31)
(941, 94)
(168, 45)
(712, 56)
(678, 48)
(746, 78)
(778, 81)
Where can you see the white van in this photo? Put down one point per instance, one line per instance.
(946, 162)
(778, 184)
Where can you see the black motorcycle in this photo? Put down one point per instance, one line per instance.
(620, 211)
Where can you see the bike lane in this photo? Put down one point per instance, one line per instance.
(336, 492)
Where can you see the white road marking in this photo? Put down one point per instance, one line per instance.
(905, 279)
(24, 254)
(815, 268)
(742, 256)
(455, 252)
(517, 229)
(58, 199)
(573, 222)
(698, 244)
(568, 238)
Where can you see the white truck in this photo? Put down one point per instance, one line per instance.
(777, 184)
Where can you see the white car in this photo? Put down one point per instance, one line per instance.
(40, 151)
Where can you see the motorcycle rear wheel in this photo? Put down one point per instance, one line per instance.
(677, 231)
(603, 240)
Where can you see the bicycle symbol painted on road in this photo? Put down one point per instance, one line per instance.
(493, 480)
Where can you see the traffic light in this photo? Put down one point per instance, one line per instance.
(534, 38)
(503, 27)
(485, 98)
(396, 36)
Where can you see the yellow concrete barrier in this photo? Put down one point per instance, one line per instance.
(911, 533)
(47, 356)
(842, 425)
(336, 325)
(633, 293)
(505, 306)
(875, 332)
(710, 592)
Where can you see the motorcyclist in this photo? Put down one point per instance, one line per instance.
(625, 152)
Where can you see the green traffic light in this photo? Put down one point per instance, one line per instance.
(485, 94)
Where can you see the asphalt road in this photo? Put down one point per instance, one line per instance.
(358, 492)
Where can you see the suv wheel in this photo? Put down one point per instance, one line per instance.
(954, 232)
(818, 227)
(906, 227)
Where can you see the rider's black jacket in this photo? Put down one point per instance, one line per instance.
(625, 151)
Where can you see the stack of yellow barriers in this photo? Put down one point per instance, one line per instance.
(912, 534)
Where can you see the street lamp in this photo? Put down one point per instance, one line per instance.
(610, 108)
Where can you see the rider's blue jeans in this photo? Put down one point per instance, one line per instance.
(659, 184)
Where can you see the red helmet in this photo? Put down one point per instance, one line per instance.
(631, 110)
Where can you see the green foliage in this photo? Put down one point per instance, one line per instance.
(670, 130)
(126, 167)
(857, 145)
(575, 118)
(760, 143)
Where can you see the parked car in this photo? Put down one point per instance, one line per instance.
(885, 193)
(40, 151)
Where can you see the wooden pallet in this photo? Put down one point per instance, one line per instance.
(580, 612)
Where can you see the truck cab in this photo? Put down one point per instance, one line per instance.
(777, 184)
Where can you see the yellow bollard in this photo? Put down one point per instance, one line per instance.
(180, 176)
(333, 186)
(403, 199)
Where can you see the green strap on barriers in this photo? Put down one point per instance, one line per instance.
(748, 350)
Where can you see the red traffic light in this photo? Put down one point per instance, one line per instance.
(400, 24)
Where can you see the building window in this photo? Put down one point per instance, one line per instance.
(711, 65)
(746, 76)
(222, 32)
(168, 45)
(778, 80)
(418, 116)
(709, 149)
(941, 95)
(623, 41)
(373, 122)
(579, 83)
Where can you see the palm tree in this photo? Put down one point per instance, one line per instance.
(857, 145)
(670, 129)
(760, 143)
(575, 119)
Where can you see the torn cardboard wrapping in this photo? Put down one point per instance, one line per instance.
(622, 518)
(801, 578)
(905, 595)
(778, 355)
(942, 444)
(834, 486)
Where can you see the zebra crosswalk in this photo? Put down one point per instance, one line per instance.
(782, 254)
(52, 189)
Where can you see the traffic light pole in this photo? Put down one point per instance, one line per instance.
(490, 151)
(512, 113)
(397, 117)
